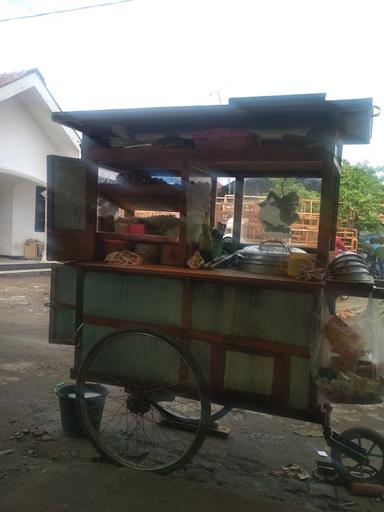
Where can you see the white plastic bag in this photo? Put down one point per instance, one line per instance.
(348, 354)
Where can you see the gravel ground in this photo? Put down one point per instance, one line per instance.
(43, 470)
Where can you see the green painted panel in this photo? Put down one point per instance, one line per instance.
(247, 372)
(202, 353)
(90, 335)
(64, 323)
(142, 299)
(299, 383)
(275, 315)
(136, 357)
(65, 285)
(70, 190)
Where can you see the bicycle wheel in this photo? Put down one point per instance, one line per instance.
(139, 370)
(190, 413)
(352, 471)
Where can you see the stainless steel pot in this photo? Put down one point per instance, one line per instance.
(268, 258)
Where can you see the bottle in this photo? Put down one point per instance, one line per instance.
(205, 240)
(217, 243)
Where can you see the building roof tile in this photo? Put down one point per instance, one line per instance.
(13, 76)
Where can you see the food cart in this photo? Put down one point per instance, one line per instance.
(176, 340)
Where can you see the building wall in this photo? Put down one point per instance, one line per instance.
(23, 224)
(24, 146)
(6, 199)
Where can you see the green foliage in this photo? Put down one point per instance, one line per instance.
(306, 188)
(362, 189)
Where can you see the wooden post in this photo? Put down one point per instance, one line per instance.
(238, 210)
(184, 173)
(329, 203)
(213, 201)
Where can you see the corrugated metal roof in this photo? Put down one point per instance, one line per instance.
(353, 118)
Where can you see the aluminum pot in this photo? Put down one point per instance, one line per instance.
(268, 258)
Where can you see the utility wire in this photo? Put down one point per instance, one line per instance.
(48, 13)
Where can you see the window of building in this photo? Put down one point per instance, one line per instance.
(40, 210)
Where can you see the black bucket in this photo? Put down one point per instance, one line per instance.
(69, 416)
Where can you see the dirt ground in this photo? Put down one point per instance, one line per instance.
(43, 470)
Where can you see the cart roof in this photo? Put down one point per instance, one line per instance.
(352, 117)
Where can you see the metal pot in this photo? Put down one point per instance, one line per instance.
(268, 258)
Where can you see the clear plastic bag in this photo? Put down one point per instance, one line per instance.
(347, 356)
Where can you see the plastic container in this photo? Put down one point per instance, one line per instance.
(95, 399)
(149, 252)
(137, 229)
(109, 246)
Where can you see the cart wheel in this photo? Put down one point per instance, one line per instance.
(139, 370)
(352, 471)
(190, 413)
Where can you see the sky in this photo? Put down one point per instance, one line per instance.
(147, 53)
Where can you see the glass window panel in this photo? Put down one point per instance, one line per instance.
(139, 202)
(70, 195)
(198, 205)
(225, 203)
(286, 209)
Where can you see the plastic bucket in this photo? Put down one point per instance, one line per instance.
(94, 398)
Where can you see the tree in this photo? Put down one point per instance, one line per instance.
(362, 189)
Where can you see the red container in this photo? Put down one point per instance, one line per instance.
(137, 229)
(109, 246)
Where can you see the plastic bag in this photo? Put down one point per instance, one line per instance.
(348, 355)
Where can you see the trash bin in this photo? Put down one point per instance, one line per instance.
(95, 399)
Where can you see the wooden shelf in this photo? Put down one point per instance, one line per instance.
(270, 157)
(225, 275)
(157, 197)
(153, 239)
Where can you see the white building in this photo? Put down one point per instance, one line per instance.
(27, 136)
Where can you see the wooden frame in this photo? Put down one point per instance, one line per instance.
(291, 156)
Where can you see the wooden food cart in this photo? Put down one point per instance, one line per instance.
(167, 341)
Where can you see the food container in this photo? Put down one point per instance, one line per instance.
(296, 260)
(108, 246)
(149, 252)
(136, 229)
(268, 258)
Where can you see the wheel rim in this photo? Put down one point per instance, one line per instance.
(189, 412)
(373, 444)
(139, 370)
(375, 460)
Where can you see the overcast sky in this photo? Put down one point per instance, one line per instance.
(179, 52)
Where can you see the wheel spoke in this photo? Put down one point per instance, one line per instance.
(373, 444)
(131, 430)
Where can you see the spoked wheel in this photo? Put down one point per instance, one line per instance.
(352, 471)
(141, 370)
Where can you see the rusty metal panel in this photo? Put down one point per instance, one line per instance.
(275, 315)
(152, 300)
(299, 383)
(249, 373)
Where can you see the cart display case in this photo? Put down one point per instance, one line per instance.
(146, 182)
